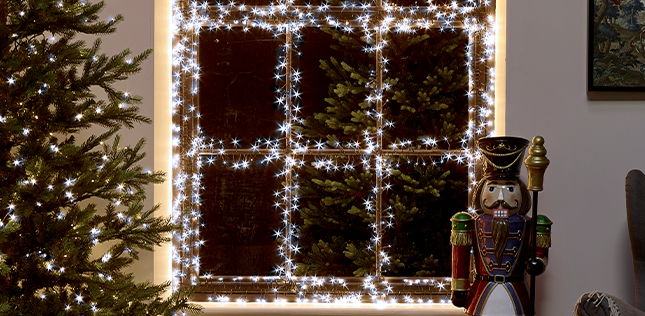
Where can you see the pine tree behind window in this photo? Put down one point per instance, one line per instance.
(53, 179)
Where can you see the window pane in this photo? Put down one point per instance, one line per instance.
(427, 84)
(336, 210)
(239, 218)
(237, 89)
(420, 196)
(333, 95)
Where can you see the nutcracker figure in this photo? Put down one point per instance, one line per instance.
(498, 236)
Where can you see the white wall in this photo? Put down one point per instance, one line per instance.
(136, 33)
(591, 144)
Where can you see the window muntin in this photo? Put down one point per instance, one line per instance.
(267, 42)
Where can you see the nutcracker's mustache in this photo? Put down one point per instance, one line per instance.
(503, 203)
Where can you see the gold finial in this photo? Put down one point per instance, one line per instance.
(536, 164)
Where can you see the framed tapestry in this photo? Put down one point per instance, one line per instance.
(616, 45)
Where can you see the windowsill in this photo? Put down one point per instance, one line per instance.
(328, 309)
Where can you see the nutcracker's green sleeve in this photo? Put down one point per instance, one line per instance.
(462, 226)
(543, 234)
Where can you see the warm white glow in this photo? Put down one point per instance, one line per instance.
(163, 129)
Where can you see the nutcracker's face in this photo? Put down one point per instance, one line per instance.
(501, 198)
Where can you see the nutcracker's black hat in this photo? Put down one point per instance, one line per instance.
(503, 156)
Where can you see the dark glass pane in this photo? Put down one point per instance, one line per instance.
(313, 46)
(334, 218)
(239, 219)
(334, 74)
(421, 196)
(237, 89)
(428, 85)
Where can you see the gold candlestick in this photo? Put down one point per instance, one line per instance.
(536, 164)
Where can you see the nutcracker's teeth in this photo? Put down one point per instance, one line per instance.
(501, 213)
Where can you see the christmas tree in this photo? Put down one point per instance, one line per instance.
(425, 107)
(64, 194)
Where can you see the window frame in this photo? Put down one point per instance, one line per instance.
(188, 20)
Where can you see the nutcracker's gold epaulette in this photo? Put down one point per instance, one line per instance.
(543, 232)
(462, 226)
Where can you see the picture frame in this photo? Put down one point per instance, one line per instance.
(616, 46)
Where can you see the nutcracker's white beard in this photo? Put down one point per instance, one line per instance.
(499, 228)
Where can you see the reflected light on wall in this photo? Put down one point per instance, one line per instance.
(162, 129)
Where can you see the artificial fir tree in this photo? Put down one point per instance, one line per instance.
(54, 180)
(425, 107)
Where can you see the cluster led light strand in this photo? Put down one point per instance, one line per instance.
(192, 148)
(314, 289)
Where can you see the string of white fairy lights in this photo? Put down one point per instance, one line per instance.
(192, 149)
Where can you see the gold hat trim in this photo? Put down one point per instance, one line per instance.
(517, 152)
(501, 146)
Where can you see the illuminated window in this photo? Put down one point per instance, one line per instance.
(321, 148)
